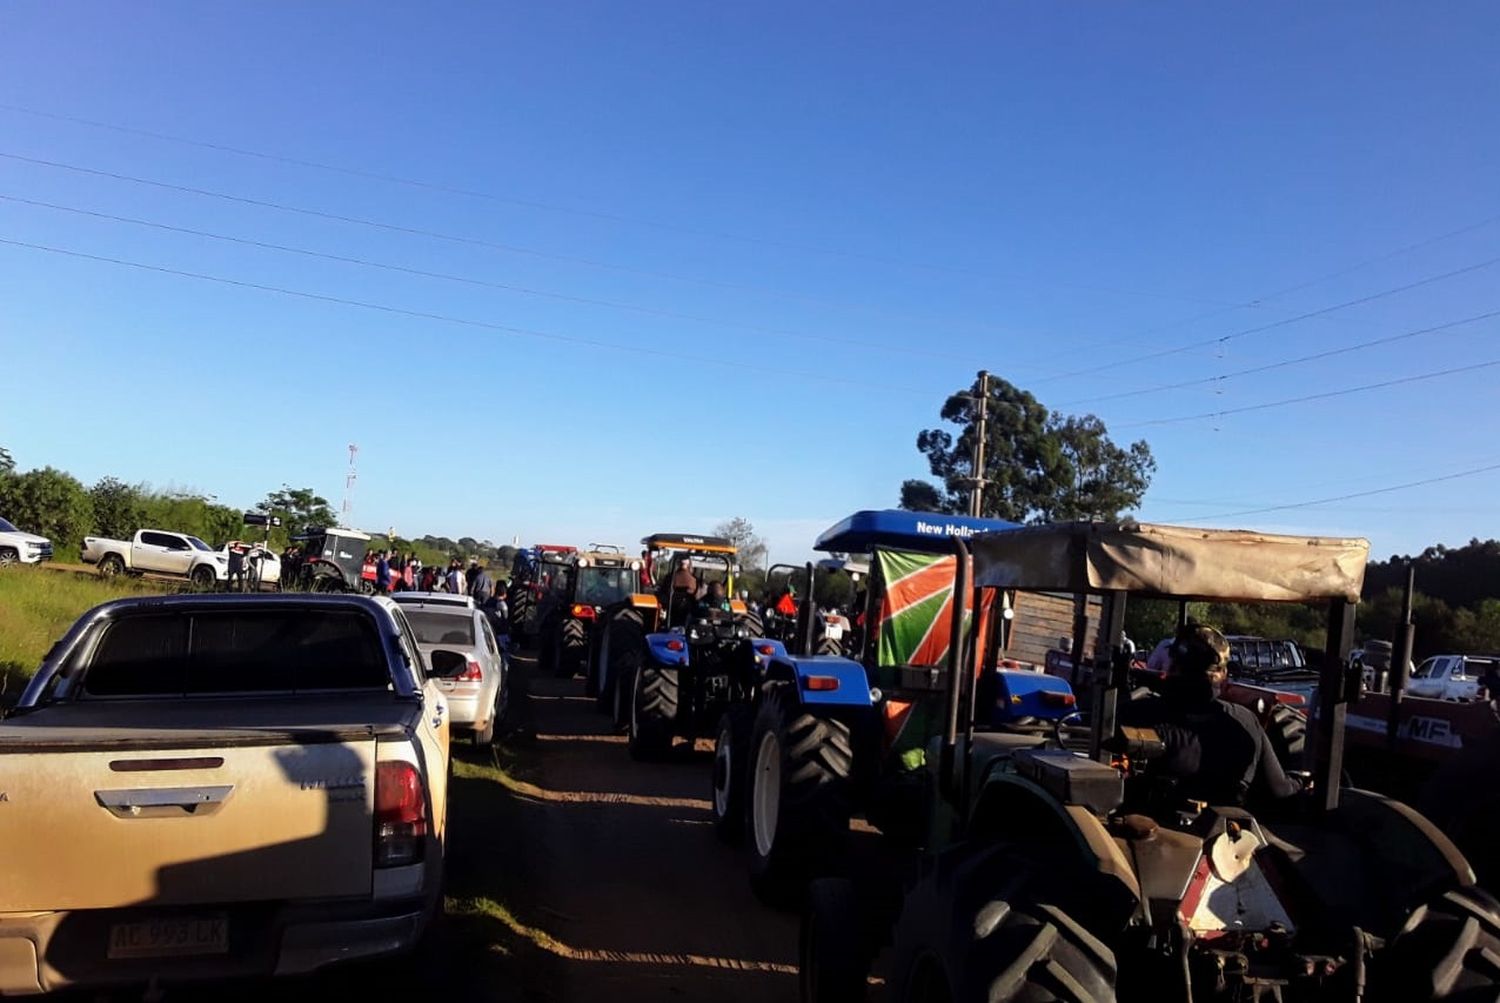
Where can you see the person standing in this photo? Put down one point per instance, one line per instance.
(481, 587)
(456, 583)
(382, 573)
(413, 571)
(236, 582)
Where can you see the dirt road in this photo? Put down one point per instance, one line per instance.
(609, 870)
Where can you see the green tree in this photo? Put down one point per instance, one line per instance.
(1038, 465)
(741, 532)
(299, 509)
(7, 462)
(117, 508)
(50, 502)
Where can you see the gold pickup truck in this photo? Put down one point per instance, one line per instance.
(199, 787)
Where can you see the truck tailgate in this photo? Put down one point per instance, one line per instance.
(283, 819)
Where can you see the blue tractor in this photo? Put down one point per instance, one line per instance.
(821, 738)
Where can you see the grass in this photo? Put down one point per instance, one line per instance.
(38, 605)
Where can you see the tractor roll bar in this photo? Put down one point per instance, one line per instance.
(955, 665)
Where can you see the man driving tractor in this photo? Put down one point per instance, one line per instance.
(1216, 749)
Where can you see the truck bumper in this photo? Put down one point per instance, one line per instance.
(44, 952)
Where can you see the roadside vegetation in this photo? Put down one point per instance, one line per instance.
(38, 605)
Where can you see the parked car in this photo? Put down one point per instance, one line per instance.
(158, 552)
(476, 695)
(1452, 677)
(17, 547)
(209, 787)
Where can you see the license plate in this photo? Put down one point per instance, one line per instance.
(184, 936)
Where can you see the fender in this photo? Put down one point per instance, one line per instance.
(1021, 694)
(766, 650)
(669, 648)
(822, 680)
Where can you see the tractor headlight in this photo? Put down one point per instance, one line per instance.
(583, 562)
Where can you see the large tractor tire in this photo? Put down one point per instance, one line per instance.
(801, 779)
(833, 954)
(621, 655)
(1286, 727)
(752, 620)
(959, 938)
(572, 648)
(1448, 950)
(830, 646)
(731, 753)
(520, 602)
(653, 711)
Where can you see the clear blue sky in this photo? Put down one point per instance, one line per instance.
(838, 211)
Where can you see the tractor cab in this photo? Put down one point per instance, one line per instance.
(333, 560)
(1085, 864)
(538, 575)
(583, 584)
(670, 557)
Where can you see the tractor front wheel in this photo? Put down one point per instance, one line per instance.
(800, 790)
(960, 937)
(620, 655)
(833, 958)
(653, 712)
(572, 648)
(731, 750)
(1448, 949)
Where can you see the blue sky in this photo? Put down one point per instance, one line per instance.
(822, 217)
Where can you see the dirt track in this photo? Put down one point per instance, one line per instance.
(609, 869)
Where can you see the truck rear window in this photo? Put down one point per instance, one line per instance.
(440, 627)
(236, 651)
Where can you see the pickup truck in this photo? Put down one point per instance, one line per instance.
(1452, 677)
(158, 552)
(202, 787)
(17, 547)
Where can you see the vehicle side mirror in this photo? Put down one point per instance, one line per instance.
(447, 664)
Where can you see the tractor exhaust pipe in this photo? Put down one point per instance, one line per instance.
(807, 618)
(947, 767)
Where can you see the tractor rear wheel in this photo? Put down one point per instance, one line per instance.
(620, 656)
(752, 620)
(958, 940)
(1448, 950)
(797, 822)
(520, 603)
(572, 648)
(731, 751)
(1286, 727)
(653, 711)
(833, 956)
(830, 646)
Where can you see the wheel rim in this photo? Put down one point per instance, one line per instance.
(723, 757)
(767, 792)
(7, 557)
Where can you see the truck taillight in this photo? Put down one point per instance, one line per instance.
(473, 673)
(400, 814)
(583, 612)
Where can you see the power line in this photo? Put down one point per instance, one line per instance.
(447, 189)
(461, 321)
(468, 280)
(1284, 363)
(461, 239)
(1260, 329)
(1401, 381)
(1345, 497)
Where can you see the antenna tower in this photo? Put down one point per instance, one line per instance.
(349, 480)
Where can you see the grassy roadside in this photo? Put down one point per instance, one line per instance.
(38, 605)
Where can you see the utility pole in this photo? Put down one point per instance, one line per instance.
(981, 433)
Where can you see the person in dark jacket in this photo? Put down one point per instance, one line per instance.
(1217, 749)
(481, 586)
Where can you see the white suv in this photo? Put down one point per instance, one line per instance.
(17, 547)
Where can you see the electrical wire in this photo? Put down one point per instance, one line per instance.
(461, 321)
(611, 217)
(1326, 395)
(483, 283)
(1345, 497)
(1284, 363)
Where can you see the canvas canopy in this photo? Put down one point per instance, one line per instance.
(1174, 562)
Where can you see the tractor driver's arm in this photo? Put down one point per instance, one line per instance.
(1269, 775)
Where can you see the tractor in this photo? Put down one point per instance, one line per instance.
(333, 561)
(596, 578)
(789, 588)
(1066, 864)
(534, 575)
(657, 666)
(819, 738)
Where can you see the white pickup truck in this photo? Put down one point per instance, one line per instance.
(204, 787)
(1452, 677)
(158, 552)
(17, 547)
